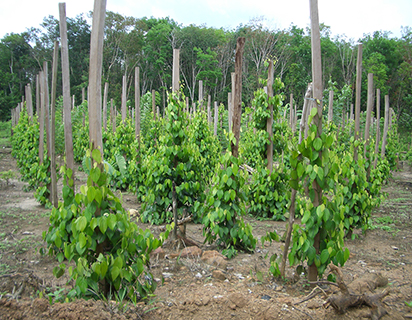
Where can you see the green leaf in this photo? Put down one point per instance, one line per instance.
(95, 174)
(103, 224)
(81, 223)
(324, 256)
(81, 282)
(115, 272)
(111, 221)
(82, 240)
(317, 144)
(96, 155)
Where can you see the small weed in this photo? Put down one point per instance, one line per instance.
(409, 304)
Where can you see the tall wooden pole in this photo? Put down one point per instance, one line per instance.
(137, 101)
(53, 192)
(292, 114)
(216, 118)
(358, 98)
(154, 104)
(368, 113)
(237, 105)
(385, 127)
(378, 126)
(106, 91)
(317, 119)
(269, 122)
(29, 102)
(41, 118)
(330, 109)
(229, 110)
(200, 95)
(47, 106)
(37, 95)
(176, 64)
(95, 75)
(124, 109)
(68, 136)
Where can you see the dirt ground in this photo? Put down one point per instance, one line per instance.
(240, 288)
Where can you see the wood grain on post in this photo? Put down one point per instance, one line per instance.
(176, 64)
(47, 107)
(29, 102)
(37, 95)
(124, 108)
(229, 110)
(137, 102)
(317, 119)
(68, 136)
(237, 100)
(105, 93)
(216, 118)
(385, 127)
(41, 119)
(358, 99)
(368, 112)
(209, 114)
(53, 191)
(378, 127)
(330, 109)
(83, 94)
(269, 122)
(154, 104)
(200, 95)
(113, 115)
(95, 76)
(291, 114)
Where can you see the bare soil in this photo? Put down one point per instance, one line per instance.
(193, 289)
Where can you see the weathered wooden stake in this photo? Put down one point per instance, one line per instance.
(95, 76)
(154, 104)
(137, 102)
(105, 93)
(269, 122)
(385, 127)
(317, 119)
(41, 119)
(237, 100)
(124, 108)
(53, 192)
(176, 64)
(68, 136)
(216, 117)
(200, 95)
(29, 102)
(378, 126)
(209, 115)
(37, 95)
(229, 110)
(368, 113)
(330, 110)
(358, 99)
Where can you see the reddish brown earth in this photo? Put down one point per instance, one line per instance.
(240, 288)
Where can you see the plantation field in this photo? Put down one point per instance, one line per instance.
(238, 288)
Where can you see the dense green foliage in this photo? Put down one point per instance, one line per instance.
(93, 229)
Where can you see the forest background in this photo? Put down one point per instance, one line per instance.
(207, 54)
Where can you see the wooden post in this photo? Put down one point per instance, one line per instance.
(83, 94)
(358, 99)
(229, 110)
(137, 102)
(317, 119)
(41, 119)
(368, 113)
(330, 110)
(53, 192)
(385, 127)
(378, 127)
(29, 101)
(291, 114)
(176, 64)
(154, 104)
(209, 115)
(37, 95)
(187, 105)
(113, 115)
(216, 118)
(232, 101)
(106, 91)
(200, 95)
(124, 109)
(237, 100)
(269, 122)
(95, 76)
(68, 137)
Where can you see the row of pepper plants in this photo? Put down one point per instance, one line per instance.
(211, 185)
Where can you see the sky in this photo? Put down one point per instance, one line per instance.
(352, 18)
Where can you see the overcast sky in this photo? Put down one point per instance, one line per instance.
(352, 18)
